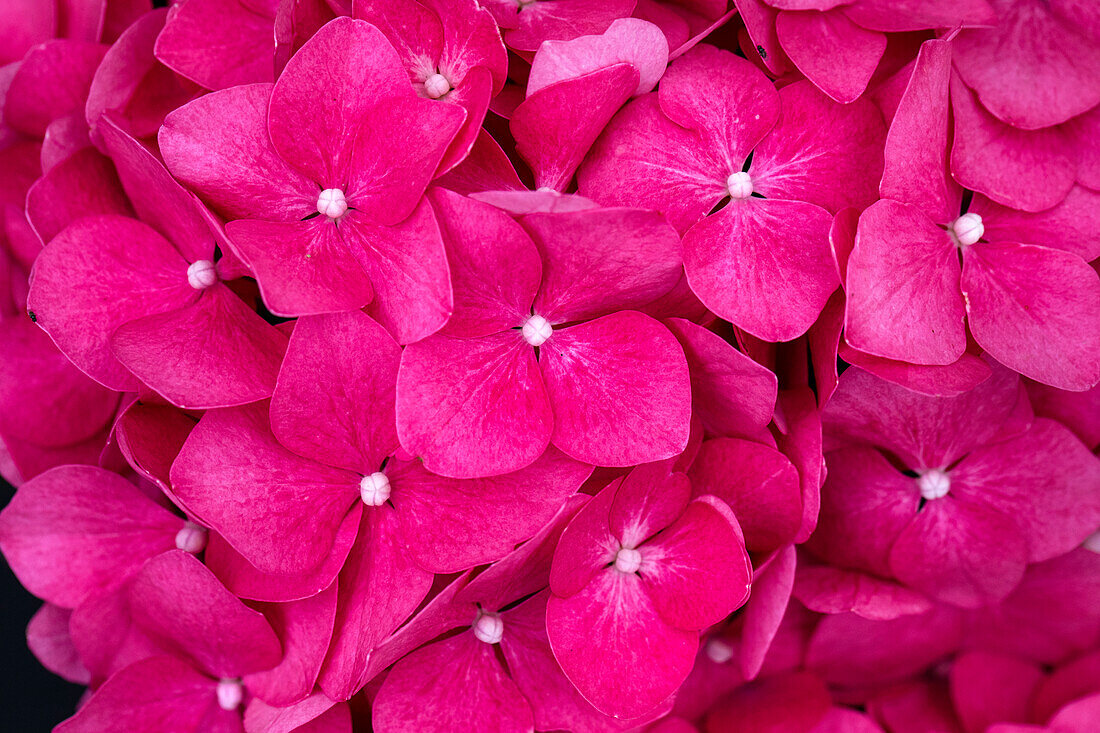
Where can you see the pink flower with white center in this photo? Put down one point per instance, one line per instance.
(453, 53)
(544, 347)
(637, 573)
(324, 192)
(990, 489)
(762, 261)
(1022, 285)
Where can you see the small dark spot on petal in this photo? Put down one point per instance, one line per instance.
(760, 50)
(34, 318)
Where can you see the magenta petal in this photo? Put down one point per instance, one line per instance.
(731, 393)
(407, 267)
(379, 588)
(472, 407)
(771, 593)
(760, 485)
(455, 524)
(612, 411)
(302, 267)
(556, 126)
(651, 497)
(219, 44)
(179, 601)
(602, 260)
(587, 545)
(609, 631)
(98, 274)
(795, 701)
(304, 627)
(628, 40)
(696, 572)
(644, 159)
(763, 264)
(1025, 302)
(218, 145)
(830, 590)
(452, 685)
(79, 530)
(1045, 480)
(865, 504)
(279, 510)
(49, 640)
(1078, 411)
(106, 636)
(216, 352)
(51, 81)
(960, 551)
(1031, 69)
(1025, 169)
(315, 714)
(916, 146)
(555, 22)
(934, 380)
(903, 288)
(819, 151)
(84, 184)
(1069, 226)
(356, 66)
(25, 23)
(834, 53)
(485, 168)
(992, 688)
(893, 16)
(495, 268)
(712, 92)
(334, 401)
(162, 693)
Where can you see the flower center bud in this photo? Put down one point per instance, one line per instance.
(739, 185)
(537, 330)
(192, 538)
(628, 560)
(934, 484)
(230, 694)
(375, 489)
(718, 651)
(331, 203)
(201, 274)
(436, 85)
(489, 628)
(968, 229)
(1092, 542)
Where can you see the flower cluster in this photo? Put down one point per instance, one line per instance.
(588, 365)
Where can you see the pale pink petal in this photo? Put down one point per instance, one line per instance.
(1025, 169)
(334, 401)
(731, 393)
(609, 631)
(760, 485)
(916, 146)
(834, 53)
(1027, 304)
(830, 590)
(453, 685)
(49, 640)
(627, 40)
(80, 530)
(819, 151)
(763, 264)
(555, 127)
(177, 600)
(472, 407)
(602, 260)
(218, 146)
(903, 288)
(609, 409)
(219, 44)
(455, 524)
(495, 268)
(279, 510)
(379, 588)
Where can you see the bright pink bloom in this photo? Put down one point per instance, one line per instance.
(130, 301)
(527, 24)
(638, 572)
(763, 260)
(511, 373)
(453, 53)
(328, 187)
(989, 490)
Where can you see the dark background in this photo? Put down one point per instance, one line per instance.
(32, 699)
